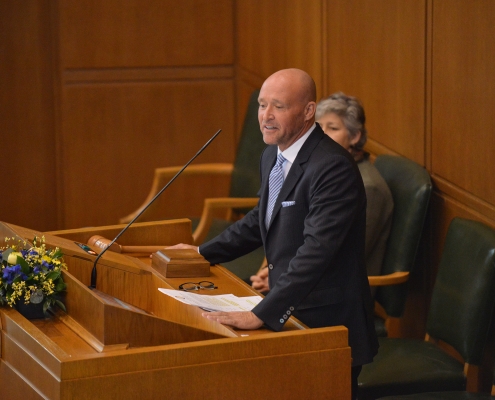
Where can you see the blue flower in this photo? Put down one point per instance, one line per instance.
(10, 273)
(47, 265)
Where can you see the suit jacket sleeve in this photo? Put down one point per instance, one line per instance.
(238, 239)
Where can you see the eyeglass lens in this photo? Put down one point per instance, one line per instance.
(196, 286)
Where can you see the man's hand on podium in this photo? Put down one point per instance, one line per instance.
(236, 319)
(181, 246)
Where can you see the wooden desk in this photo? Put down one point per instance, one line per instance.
(129, 341)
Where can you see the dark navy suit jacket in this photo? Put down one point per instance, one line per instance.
(314, 245)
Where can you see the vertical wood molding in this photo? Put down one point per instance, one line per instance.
(57, 90)
(428, 82)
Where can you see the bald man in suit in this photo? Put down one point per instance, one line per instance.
(315, 237)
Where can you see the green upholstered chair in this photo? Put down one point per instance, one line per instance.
(442, 396)
(450, 395)
(460, 312)
(244, 186)
(410, 185)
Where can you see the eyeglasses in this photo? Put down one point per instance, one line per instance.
(196, 286)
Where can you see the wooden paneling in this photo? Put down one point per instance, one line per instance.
(279, 34)
(29, 190)
(144, 85)
(133, 33)
(463, 139)
(116, 134)
(376, 51)
(95, 95)
(275, 35)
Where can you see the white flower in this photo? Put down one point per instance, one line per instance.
(13, 257)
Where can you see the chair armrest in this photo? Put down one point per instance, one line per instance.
(390, 279)
(221, 203)
(163, 175)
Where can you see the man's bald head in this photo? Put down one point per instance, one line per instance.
(299, 81)
(287, 106)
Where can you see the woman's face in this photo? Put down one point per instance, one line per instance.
(334, 127)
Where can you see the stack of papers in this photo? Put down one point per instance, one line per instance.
(221, 302)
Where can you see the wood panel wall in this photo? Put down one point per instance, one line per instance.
(124, 88)
(423, 69)
(95, 95)
(463, 93)
(27, 122)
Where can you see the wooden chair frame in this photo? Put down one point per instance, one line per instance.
(163, 175)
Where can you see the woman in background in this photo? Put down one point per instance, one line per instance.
(342, 118)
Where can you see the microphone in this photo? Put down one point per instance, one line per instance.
(94, 272)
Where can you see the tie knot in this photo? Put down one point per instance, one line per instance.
(280, 159)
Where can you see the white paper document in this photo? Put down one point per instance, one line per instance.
(221, 302)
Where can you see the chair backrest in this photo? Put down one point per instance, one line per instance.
(464, 293)
(410, 185)
(246, 176)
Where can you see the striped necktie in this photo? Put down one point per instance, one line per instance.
(275, 183)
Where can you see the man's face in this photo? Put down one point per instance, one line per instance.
(281, 113)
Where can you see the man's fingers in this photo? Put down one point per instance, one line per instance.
(238, 319)
(263, 273)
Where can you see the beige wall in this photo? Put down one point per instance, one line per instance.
(95, 95)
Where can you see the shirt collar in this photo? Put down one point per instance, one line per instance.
(291, 152)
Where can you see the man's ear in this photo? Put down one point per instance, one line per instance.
(310, 110)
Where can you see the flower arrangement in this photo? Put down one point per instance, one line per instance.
(31, 274)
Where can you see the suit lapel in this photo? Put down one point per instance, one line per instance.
(295, 172)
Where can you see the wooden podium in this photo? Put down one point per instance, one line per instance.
(127, 340)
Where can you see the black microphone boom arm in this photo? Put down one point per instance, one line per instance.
(94, 272)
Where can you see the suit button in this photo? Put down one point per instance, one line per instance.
(282, 321)
(270, 266)
(291, 308)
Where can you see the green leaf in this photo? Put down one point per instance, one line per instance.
(24, 265)
(31, 282)
(61, 305)
(54, 275)
(5, 254)
(57, 254)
